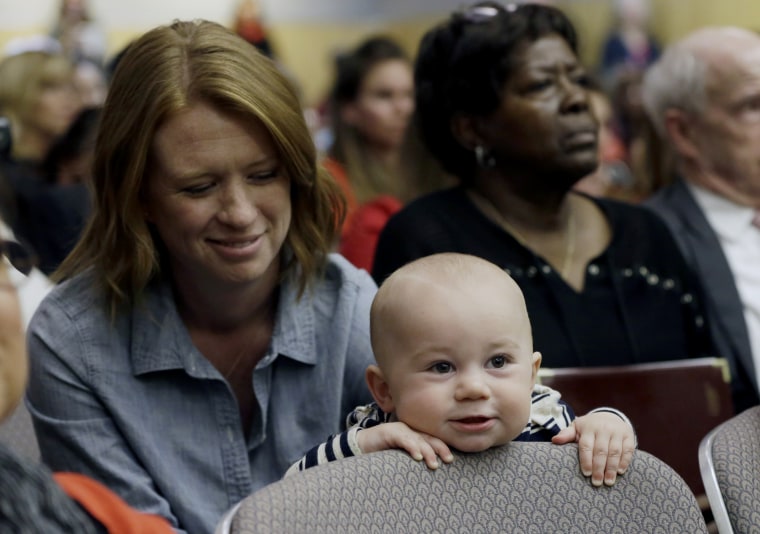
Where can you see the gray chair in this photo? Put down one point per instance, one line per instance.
(17, 433)
(521, 487)
(729, 460)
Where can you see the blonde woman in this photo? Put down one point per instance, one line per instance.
(38, 98)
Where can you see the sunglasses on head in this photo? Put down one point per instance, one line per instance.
(478, 14)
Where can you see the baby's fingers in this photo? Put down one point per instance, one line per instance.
(629, 446)
(593, 456)
(614, 456)
(619, 455)
(439, 448)
(420, 449)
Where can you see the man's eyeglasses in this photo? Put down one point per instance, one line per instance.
(20, 258)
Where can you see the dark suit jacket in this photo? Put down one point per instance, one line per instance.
(704, 252)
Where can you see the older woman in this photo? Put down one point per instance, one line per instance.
(203, 338)
(503, 105)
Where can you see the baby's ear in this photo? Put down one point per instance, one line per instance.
(536, 364)
(379, 388)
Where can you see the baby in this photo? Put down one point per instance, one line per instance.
(456, 369)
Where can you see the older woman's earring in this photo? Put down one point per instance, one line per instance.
(484, 159)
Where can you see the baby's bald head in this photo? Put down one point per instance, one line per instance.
(438, 280)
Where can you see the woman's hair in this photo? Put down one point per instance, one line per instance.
(162, 73)
(368, 177)
(23, 77)
(464, 63)
(78, 139)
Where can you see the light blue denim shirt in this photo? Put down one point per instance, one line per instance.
(135, 405)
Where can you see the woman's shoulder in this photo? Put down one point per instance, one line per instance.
(443, 198)
(640, 235)
(79, 295)
(624, 214)
(342, 274)
(430, 209)
(338, 299)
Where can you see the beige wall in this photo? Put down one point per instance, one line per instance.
(307, 52)
(306, 49)
(671, 19)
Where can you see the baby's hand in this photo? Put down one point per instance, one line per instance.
(605, 445)
(399, 436)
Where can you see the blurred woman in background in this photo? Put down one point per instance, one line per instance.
(375, 157)
(38, 97)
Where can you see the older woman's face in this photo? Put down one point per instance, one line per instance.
(544, 123)
(219, 198)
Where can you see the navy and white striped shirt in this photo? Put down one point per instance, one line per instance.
(549, 414)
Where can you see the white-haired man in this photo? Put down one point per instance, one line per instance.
(703, 96)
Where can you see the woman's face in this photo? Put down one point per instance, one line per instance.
(544, 123)
(384, 104)
(219, 198)
(56, 108)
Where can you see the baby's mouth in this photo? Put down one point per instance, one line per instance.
(473, 420)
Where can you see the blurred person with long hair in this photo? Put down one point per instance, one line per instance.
(38, 98)
(375, 155)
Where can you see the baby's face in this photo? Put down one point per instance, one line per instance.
(464, 366)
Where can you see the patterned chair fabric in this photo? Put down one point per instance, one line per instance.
(521, 487)
(729, 458)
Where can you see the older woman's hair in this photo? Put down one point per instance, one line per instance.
(162, 73)
(351, 69)
(24, 76)
(464, 63)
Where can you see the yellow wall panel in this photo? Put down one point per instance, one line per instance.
(306, 49)
(307, 52)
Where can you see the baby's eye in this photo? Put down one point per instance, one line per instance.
(442, 367)
(498, 361)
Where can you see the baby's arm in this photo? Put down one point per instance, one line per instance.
(606, 442)
(398, 435)
(336, 447)
(605, 436)
(370, 433)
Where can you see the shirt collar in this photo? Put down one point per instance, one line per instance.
(728, 219)
(294, 330)
(161, 342)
